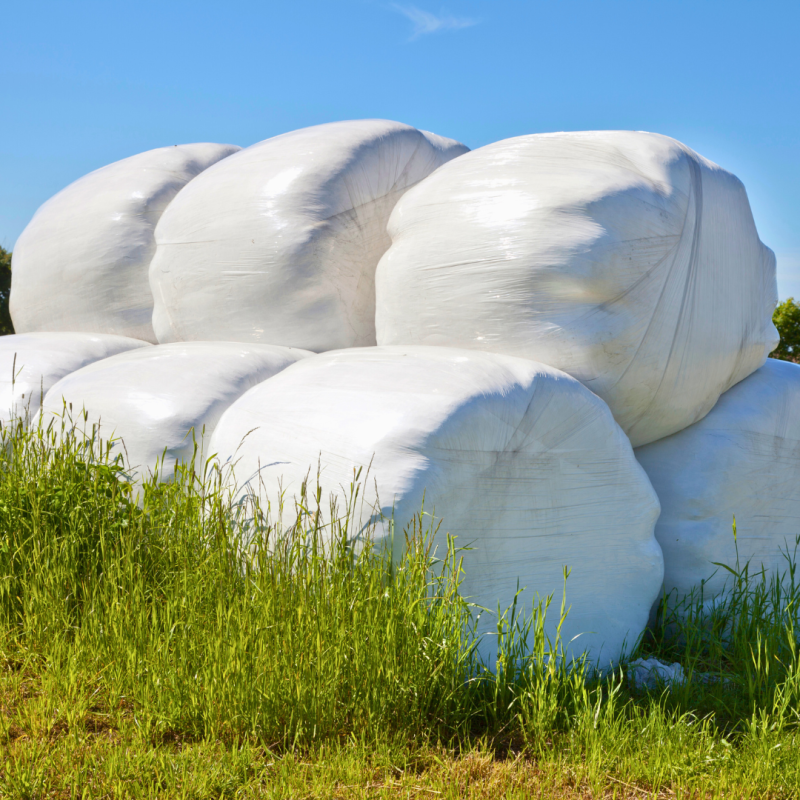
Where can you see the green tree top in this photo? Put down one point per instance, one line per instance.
(787, 320)
(5, 292)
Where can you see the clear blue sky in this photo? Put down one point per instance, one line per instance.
(86, 83)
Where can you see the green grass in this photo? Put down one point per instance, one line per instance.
(146, 652)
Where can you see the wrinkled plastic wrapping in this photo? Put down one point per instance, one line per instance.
(622, 258)
(82, 262)
(30, 363)
(653, 674)
(279, 243)
(164, 400)
(517, 459)
(743, 459)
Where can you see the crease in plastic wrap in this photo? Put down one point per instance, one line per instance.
(159, 403)
(518, 460)
(82, 262)
(623, 258)
(742, 459)
(279, 243)
(31, 363)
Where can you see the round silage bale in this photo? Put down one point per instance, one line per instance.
(620, 257)
(519, 461)
(82, 262)
(31, 363)
(742, 460)
(165, 400)
(279, 243)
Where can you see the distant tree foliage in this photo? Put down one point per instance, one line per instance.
(787, 320)
(5, 291)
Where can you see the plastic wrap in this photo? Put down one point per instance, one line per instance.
(82, 262)
(30, 363)
(279, 243)
(742, 459)
(652, 674)
(623, 258)
(517, 459)
(163, 400)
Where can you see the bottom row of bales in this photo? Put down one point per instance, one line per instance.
(519, 461)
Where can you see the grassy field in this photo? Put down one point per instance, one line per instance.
(145, 652)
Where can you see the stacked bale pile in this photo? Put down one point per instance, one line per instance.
(504, 326)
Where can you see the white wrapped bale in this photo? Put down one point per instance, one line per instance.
(742, 459)
(164, 398)
(82, 262)
(517, 459)
(279, 243)
(30, 363)
(622, 258)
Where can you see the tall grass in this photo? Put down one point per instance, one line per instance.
(147, 605)
(288, 641)
(738, 647)
(290, 635)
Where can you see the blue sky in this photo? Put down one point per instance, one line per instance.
(83, 83)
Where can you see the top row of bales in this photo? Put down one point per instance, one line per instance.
(623, 258)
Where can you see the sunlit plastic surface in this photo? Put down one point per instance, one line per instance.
(742, 460)
(165, 400)
(279, 243)
(520, 461)
(82, 262)
(30, 363)
(623, 258)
